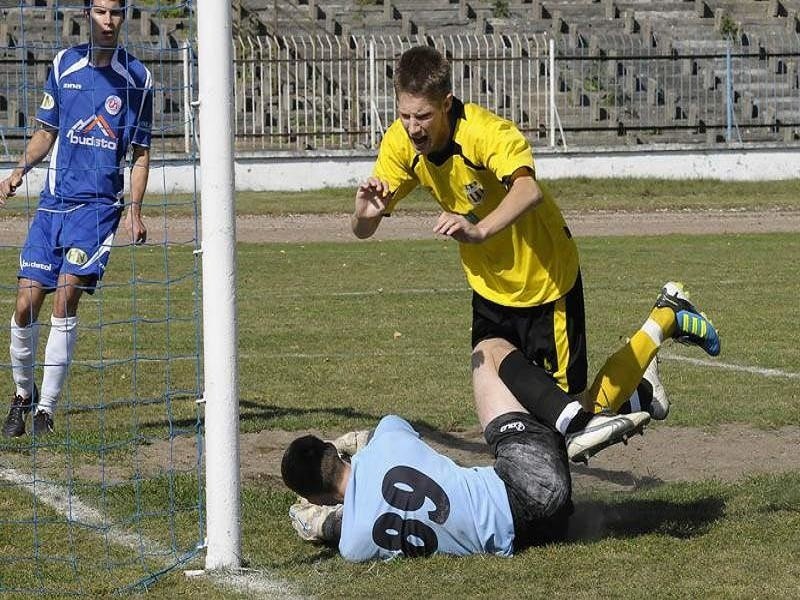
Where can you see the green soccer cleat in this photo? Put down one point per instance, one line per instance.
(692, 327)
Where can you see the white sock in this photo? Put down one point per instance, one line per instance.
(566, 416)
(57, 358)
(24, 341)
(653, 330)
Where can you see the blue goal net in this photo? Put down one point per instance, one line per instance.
(113, 496)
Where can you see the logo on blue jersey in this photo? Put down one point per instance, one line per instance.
(48, 102)
(84, 133)
(113, 105)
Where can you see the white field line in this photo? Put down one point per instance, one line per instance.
(59, 499)
(715, 364)
(62, 501)
(730, 366)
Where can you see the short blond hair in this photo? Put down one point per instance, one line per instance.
(423, 71)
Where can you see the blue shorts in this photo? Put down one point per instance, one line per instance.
(76, 241)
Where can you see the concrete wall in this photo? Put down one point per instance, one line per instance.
(315, 170)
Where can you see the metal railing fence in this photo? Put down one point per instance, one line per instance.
(317, 92)
(336, 92)
(299, 92)
(618, 90)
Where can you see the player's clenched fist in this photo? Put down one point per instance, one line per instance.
(314, 522)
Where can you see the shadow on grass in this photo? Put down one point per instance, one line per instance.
(596, 520)
(622, 478)
(251, 411)
(254, 411)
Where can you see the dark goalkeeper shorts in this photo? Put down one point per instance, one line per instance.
(531, 459)
(551, 336)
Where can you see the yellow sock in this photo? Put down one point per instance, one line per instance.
(665, 317)
(623, 370)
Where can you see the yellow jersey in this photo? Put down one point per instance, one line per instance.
(531, 262)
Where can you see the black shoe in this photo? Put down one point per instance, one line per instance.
(42, 423)
(15, 421)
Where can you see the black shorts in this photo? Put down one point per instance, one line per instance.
(552, 335)
(531, 459)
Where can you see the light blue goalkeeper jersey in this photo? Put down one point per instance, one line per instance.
(406, 499)
(99, 112)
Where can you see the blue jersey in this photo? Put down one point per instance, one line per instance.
(405, 499)
(99, 112)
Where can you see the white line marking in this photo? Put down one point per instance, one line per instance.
(69, 505)
(730, 366)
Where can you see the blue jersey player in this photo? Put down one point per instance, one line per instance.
(97, 104)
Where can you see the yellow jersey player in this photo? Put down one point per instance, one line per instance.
(516, 249)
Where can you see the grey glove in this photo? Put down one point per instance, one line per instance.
(316, 523)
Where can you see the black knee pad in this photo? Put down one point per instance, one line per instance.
(508, 425)
(531, 459)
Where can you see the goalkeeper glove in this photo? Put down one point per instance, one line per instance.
(351, 442)
(316, 523)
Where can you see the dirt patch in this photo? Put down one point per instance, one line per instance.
(664, 454)
(336, 228)
(405, 226)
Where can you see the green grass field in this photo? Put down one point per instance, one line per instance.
(335, 335)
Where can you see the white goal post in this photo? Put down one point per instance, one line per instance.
(215, 63)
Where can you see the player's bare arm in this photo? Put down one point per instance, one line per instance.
(37, 149)
(140, 171)
(523, 194)
(371, 198)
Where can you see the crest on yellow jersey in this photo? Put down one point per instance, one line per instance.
(474, 192)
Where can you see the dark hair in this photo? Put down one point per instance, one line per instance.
(310, 466)
(87, 4)
(423, 71)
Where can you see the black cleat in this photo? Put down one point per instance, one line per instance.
(42, 423)
(15, 420)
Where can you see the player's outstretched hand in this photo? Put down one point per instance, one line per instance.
(371, 198)
(313, 522)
